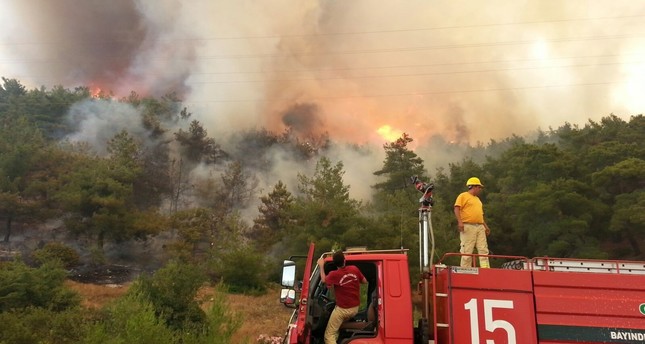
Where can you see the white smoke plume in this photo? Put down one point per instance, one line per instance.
(98, 120)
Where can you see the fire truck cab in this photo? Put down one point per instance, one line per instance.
(388, 284)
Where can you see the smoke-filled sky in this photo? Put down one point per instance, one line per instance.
(362, 71)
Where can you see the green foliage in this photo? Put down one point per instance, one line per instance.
(56, 251)
(45, 109)
(274, 217)
(397, 220)
(623, 177)
(237, 188)
(22, 287)
(400, 164)
(629, 218)
(526, 165)
(160, 309)
(560, 199)
(323, 210)
(555, 219)
(243, 271)
(197, 146)
(98, 195)
(131, 319)
(221, 324)
(193, 227)
(11, 88)
(22, 148)
(164, 309)
(326, 186)
(39, 325)
(172, 291)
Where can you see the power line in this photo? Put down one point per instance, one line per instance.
(333, 70)
(352, 33)
(443, 64)
(416, 74)
(636, 16)
(416, 94)
(381, 51)
(422, 48)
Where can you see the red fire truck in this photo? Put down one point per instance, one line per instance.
(524, 301)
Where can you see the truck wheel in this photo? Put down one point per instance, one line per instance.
(421, 333)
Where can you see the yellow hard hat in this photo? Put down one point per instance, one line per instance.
(474, 181)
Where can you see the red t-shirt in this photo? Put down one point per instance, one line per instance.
(347, 285)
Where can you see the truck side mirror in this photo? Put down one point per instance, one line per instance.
(288, 273)
(288, 297)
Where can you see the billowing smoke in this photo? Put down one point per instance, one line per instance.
(114, 46)
(303, 119)
(360, 72)
(97, 121)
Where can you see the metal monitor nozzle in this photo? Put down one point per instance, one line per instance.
(426, 188)
(426, 234)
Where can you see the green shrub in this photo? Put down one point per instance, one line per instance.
(172, 291)
(135, 318)
(243, 271)
(221, 323)
(22, 286)
(131, 319)
(38, 325)
(55, 251)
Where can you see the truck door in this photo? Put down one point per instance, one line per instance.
(299, 333)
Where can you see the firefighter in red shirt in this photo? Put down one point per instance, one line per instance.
(346, 282)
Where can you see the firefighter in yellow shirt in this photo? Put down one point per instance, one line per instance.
(473, 230)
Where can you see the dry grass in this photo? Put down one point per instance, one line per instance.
(95, 296)
(261, 314)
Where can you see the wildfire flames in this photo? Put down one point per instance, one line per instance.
(95, 92)
(388, 133)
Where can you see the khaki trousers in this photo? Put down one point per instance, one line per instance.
(474, 235)
(337, 318)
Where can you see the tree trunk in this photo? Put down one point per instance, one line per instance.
(7, 233)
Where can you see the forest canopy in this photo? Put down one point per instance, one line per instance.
(574, 191)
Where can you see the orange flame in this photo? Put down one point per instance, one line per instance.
(95, 92)
(389, 133)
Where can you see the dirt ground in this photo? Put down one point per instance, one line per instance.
(263, 315)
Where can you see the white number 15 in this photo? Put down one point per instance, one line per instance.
(489, 324)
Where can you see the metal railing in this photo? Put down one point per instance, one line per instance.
(560, 264)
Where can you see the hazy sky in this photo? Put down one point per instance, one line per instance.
(360, 70)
